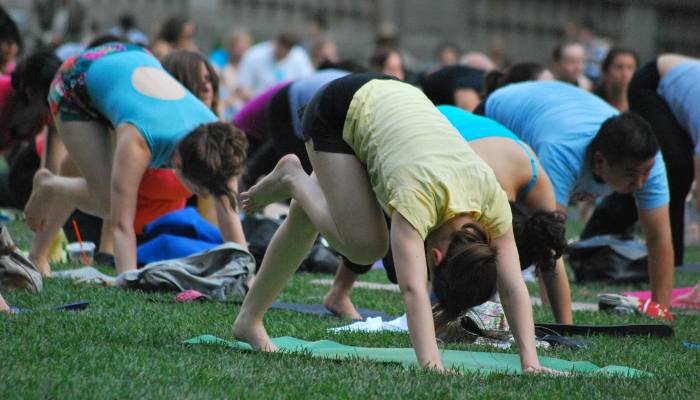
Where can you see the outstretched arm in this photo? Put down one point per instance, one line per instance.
(54, 150)
(656, 226)
(412, 273)
(556, 282)
(516, 302)
(131, 159)
(229, 221)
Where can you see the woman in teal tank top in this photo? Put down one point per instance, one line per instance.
(119, 112)
(539, 229)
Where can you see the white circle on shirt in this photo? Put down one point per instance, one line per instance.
(154, 82)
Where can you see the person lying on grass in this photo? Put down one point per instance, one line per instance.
(377, 146)
(120, 93)
(538, 228)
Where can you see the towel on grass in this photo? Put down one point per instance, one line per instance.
(468, 361)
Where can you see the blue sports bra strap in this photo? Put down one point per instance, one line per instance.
(534, 172)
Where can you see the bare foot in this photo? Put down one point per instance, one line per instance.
(36, 210)
(3, 305)
(340, 305)
(274, 187)
(253, 333)
(692, 297)
(42, 263)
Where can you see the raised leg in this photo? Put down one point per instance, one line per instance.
(55, 197)
(337, 200)
(341, 203)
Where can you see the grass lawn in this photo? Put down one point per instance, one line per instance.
(125, 346)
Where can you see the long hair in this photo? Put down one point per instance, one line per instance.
(185, 66)
(212, 155)
(540, 236)
(467, 275)
(35, 73)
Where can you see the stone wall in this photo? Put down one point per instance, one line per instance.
(528, 28)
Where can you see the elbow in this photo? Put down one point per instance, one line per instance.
(412, 289)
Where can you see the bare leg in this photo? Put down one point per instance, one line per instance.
(338, 298)
(692, 297)
(41, 243)
(55, 197)
(286, 251)
(106, 239)
(345, 211)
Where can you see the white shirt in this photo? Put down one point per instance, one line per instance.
(259, 71)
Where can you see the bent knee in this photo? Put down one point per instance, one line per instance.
(368, 252)
(101, 208)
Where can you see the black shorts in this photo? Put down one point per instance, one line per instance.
(323, 117)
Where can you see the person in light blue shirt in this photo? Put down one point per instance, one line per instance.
(590, 150)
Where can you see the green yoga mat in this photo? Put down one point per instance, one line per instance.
(468, 361)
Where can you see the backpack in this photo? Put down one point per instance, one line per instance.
(609, 258)
(259, 229)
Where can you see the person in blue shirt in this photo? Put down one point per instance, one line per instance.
(666, 92)
(590, 150)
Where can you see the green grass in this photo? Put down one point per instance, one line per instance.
(125, 346)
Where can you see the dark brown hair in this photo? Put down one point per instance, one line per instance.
(625, 136)
(467, 275)
(211, 155)
(616, 51)
(35, 74)
(184, 65)
(519, 72)
(171, 28)
(540, 237)
(378, 58)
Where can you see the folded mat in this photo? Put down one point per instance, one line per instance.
(674, 293)
(468, 361)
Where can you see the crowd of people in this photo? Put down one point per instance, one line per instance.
(456, 173)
